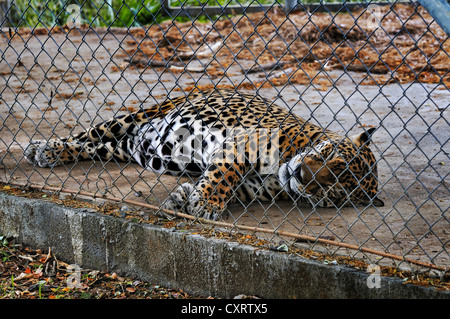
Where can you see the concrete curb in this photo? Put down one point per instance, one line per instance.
(176, 259)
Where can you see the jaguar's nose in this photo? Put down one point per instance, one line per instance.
(298, 173)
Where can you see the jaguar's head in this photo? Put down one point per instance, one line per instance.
(334, 172)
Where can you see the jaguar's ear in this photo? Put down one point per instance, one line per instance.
(363, 138)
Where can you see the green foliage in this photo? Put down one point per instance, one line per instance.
(117, 13)
(135, 12)
(35, 13)
(4, 249)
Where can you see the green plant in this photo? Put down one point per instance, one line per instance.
(4, 249)
(3, 241)
(135, 12)
(40, 283)
(34, 13)
(118, 13)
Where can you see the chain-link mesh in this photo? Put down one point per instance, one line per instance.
(346, 68)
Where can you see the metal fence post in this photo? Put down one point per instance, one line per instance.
(290, 5)
(440, 11)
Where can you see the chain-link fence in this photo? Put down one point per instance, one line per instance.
(343, 68)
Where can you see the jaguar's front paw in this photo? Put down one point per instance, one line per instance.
(188, 200)
(178, 199)
(200, 207)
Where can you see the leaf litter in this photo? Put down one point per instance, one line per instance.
(27, 273)
(406, 47)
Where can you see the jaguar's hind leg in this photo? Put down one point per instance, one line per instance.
(56, 152)
(102, 141)
(51, 153)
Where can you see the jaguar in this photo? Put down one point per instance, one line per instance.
(237, 146)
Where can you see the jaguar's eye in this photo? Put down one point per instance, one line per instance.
(318, 157)
(332, 155)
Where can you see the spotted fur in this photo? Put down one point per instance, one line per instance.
(237, 144)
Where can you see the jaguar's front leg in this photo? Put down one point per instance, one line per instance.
(210, 194)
